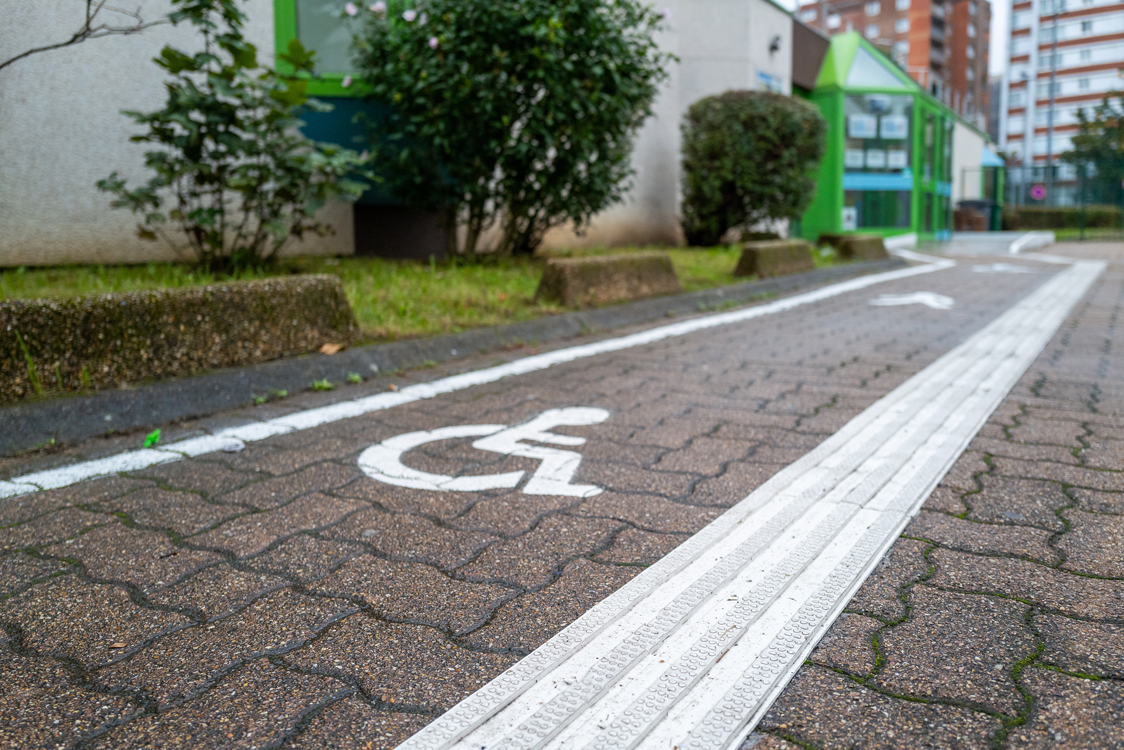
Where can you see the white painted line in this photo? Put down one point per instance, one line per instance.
(234, 437)
(693, 651)
(1031, 240)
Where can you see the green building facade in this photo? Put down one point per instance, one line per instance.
(888, 165)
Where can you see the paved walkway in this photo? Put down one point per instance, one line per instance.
(997, 620)
(281, 596)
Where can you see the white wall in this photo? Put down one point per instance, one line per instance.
(721, 45)
(61, 131)
(967, 155)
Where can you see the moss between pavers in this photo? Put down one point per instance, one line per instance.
(603, 279)
(770, 258)
(107, 340)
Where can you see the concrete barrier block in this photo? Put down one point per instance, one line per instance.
(856, 246)
(110, 340)
(602, 279)
(771, 258)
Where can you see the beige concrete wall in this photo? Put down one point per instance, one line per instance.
(967, 153)
(61, 131)
(721, 45)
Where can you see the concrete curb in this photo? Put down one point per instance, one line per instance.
(68, 420)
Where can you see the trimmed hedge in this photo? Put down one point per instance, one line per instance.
(1061, 217)
(856, 246)
(748, 156)
(111, 340)
(775, 258)
(601, 279)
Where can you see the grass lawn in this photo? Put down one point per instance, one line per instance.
(391, 299)
(1096, 235)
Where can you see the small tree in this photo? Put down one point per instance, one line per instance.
(1098, 148)
(237, 176)
(747, 157)
(519, 112)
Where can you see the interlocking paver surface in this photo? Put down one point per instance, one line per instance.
(279, 596)
(1009, 587)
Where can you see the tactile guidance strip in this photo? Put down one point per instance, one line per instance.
(692, 652)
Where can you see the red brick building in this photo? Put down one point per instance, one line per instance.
(942, 44)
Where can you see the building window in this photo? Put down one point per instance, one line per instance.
(1015, 99)
(873, 8)
(1086, 55)
(971, 53)
(320, 28)
(1020, 20)
(1086, 27)
(833, 21)
(901, 25)
(1045, 60)
(872, 31)
(973, 9)
(809, 15)
(901, 48)
(1083, 84)
(971, 74)
(901, 4)
(971, 31)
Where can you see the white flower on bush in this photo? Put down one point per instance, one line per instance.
(433, 42)
(346, 81)
(350, 9)
(410, 15)
(379, 7)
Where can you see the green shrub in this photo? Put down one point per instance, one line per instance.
(747, 157)
(234, 179)
(1061, 217)
(518, 112)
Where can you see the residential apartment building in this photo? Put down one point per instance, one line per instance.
(942, 44)
(1078, 45)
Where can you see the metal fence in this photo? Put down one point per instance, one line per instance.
(1076, 200)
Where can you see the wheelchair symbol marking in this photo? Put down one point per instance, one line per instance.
(383, 462)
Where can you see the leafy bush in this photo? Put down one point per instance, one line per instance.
(747, 157)
(234, 178)
(518, 112)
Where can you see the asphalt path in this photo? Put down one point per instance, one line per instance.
(346, 584)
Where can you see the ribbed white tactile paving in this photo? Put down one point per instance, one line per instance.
(692, 652)
(237, 436)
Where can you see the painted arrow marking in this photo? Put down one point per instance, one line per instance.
(1001, 268)
(929, 299)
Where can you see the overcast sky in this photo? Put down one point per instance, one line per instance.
(1000, 17)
